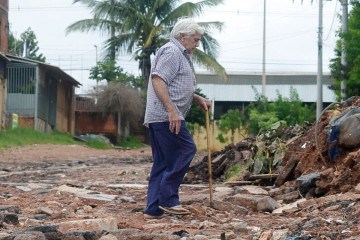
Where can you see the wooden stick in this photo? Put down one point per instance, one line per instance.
(209, 157)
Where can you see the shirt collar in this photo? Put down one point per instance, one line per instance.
(178, 44)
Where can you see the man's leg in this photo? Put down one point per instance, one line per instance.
(178, 150)
(156, 174)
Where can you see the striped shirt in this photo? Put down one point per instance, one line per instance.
(172, 64)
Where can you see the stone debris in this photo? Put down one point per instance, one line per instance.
(291, 188)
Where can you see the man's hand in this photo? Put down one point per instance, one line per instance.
(174, 122)
(204, 103)
(163, 94)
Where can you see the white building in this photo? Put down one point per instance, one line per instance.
(238, 90)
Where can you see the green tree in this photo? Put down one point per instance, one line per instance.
(352, 48)
(105, 19)
(26, 46)
(196, 114)
(15, 45)
(109, 71)
(140, 27)
(229, 122)
(262, 114)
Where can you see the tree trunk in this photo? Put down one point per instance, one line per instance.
(118, 135)
(145, 70)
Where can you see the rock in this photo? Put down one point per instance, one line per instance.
(266, 235)
(127, 186)
(245, 200)
(108, 237)
(307, 182)
(288, 197)
(29, 236)
(10, 208)
(221, 191)
(9, 218)
(357, 188)
(267, 204)
(226, 206)
(280, 234)
(5, 236)
(45, 210)
(136, 234)
(104, 224)
(254, 190)
(86, 193)
(287, 207)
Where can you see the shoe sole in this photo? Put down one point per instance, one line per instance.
(174, 211)
(150, 217)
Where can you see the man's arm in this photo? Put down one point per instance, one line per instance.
(204, 103)
(162, 93)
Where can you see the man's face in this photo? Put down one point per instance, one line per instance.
(190, 42)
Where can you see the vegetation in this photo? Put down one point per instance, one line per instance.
(109, 71)
(196, 114)
(234, 171)
(140, 27)
(352, 47)
(26, 46)
(25, 136)
(229, 122)
(126, 102)
(262, 114)
(131, 142)
(98, 144)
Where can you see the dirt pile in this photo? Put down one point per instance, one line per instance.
(315, 158)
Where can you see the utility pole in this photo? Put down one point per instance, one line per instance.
(319, 102)
(344, 29)
(264, 51)
(96, 60)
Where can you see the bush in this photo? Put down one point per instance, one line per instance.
(262, 113)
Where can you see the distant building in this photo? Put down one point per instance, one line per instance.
(41, 95)
(238, 91)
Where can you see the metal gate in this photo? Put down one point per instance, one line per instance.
(21, 88)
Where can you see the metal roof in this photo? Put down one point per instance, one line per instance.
(240, 87)
(52, 70)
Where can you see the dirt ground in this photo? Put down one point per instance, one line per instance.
(74, 192)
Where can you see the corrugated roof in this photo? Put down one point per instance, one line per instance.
(239, 87)
(54, 71)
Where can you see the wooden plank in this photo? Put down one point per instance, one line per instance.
(262, 176)
(239, 183)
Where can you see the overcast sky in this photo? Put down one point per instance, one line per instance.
(291, 35)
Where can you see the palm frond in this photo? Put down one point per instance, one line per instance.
(210, 63)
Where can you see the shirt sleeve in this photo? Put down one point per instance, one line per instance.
(167, 64)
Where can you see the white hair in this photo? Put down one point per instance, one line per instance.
(186, 26)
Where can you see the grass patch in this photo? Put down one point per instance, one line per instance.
(98, 144)
(233, 172)
(131, 142)
(26, 136)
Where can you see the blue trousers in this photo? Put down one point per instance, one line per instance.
(172, 154)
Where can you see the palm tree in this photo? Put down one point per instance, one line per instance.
(104, 16)
(140, 27)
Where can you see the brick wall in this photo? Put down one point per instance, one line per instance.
(4, 25)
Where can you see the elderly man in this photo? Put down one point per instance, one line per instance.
(171, 91)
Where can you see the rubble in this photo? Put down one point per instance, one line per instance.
(288, 155)
(289, 187)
